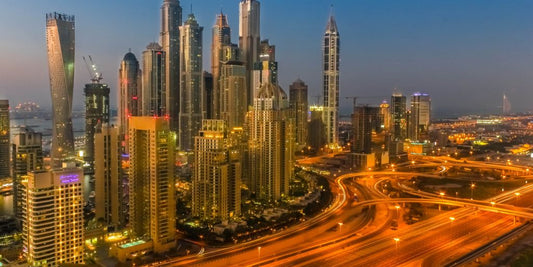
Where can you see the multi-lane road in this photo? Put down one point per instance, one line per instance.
(359, 233)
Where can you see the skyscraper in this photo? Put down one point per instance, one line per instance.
(96, 114)
(420, 116)
(365, 121)
(107, 176)
(28, 156)
(270, 144)
(316, 139)
(154, 96)
(249, 37)
(506, 105)
(208, 92)
(217, 173)
(152, 205)
(266, 68)
(221, 37)
(53, 227)
(233, 90)
(191, 94)
(298, 105)
(5, 170)
(170, 41)
(399, 117)
(130, 92)
(331, 49)
(60, 41)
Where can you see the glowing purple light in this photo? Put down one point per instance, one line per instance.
(70, 178)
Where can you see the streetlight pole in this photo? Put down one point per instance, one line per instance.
(258, 252)
(472, 185)
(340, 226)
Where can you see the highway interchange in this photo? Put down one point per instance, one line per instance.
(358, 232)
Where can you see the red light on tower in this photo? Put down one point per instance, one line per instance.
(134, 97)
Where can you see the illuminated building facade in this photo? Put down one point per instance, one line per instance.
(60, 43)
(266, 68)
(420, 116)
(249, 37)
(298, 105)
(217, 173)
(192, 98)
(317, 131)
(154, 93)
(152, 205)
(170, 42)
(130, 93)
(28, 156)
(270, 144)
(398, 112)
(107, 176)
(96, 114)
(5, 169)
(221, 36)
(331, 49)
(233, 92)
(53, 226)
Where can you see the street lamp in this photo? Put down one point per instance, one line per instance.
(396, 240)
(472, 185)
(340, 226)
(492, 203)
(258, 252)
(397, 214)
(451, 221)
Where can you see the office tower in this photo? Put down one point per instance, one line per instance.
(233, 92)
(399, 117)
(266, 68)
(28, 156)
(5, 170)
(53, 227)
(191, 94)
(170, 42)
(385, 116)
(331, 49)
(270, 144)
(152, 205)
(420, 116)
(208, 92)
(130, 92)
(365, 122)
(221, 37)
(107, 176)
(506, 106)
(96, 113)
(217, 173)
(60, 41)
(249, 37)
(154, 81)
(298, 105)
(317, 131)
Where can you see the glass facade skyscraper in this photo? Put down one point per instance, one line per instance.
(331, 49)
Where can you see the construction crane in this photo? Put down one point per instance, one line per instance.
(93, 73)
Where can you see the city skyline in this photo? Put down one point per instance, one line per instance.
(482, 52)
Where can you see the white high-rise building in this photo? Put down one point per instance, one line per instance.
(331, 49)
(249, 37)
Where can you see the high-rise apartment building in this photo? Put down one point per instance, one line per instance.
(216, 174)
(53, 227)
(420, 116)
(130, 93)
(170, 42)
(366, 121)
(317, 131)
(96, 114)
(270, 144)
(5, 169)
(209, 95)
(299, 106)
(398, 111)
(233, 93)
(331, 50)
(191, 90)
(27, 157)
(152, 205)
(60, 42)
(108, 177)
(266, 68)
(221, 36)
(154, 94)
(249, 37)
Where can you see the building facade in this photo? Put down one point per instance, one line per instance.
(217, 173)
(398, 111)
(154, 94)
(192, 98)
(5, 169)
(221, 36)
(233, 97)
(53, 226)
(299, 108)
(249, 37)
(108, 177)
(331, 50)
(96, 114)
(152, 204)
(170, 42)
(60, 43)
(420, 116)
(130, 93)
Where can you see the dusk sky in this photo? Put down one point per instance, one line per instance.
(464, 53)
